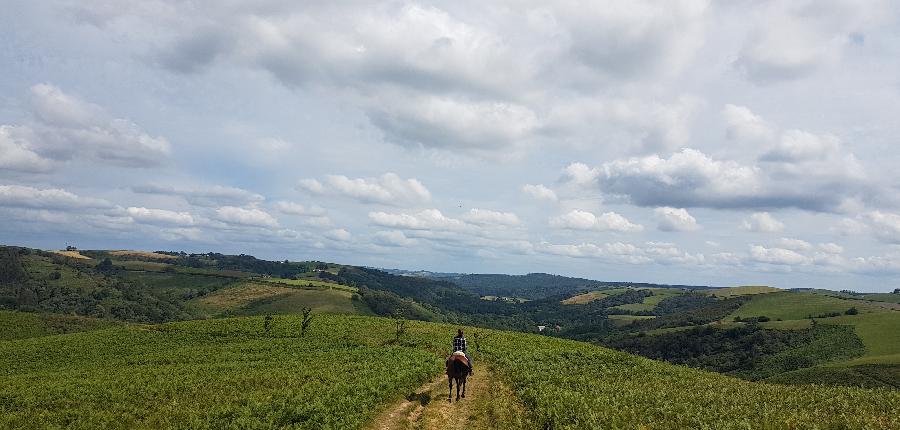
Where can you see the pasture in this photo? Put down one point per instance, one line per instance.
(235, 373)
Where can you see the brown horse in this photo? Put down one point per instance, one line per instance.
(457, 369)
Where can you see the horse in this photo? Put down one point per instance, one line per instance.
(457, 369)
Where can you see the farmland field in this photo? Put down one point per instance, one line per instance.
(231, 372)
(791, 305)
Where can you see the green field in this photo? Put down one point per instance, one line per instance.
(627, 319)
(257, 298)
(745, 290)
(649, 303)
(231, 373)
(793, 305)
(23, 325)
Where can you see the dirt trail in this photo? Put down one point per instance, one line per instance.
(429, 409)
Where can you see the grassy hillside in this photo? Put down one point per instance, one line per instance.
(795, 305)
(23, 325)
(346, 369)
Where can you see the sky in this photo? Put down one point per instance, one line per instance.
(684, 142)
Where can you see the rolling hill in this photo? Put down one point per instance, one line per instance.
(345, 370)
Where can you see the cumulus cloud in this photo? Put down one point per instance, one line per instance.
(795, 244)
(675, 219)
(583, 220)
(885, 225)
(539, 192)
(68, 127)
(160, 216)
(291, 208)
(619, 252)
(742, 124)
(393, 238)
(251, 217)
(339, 235)
(488, 217)
(580, 174)
(779, 256)
(690, 178)
(16, 154)
(429, 219)
(762, 222)
(432, 76)
(212, 196)
(389, 189)
(18, 196)
(793, 40)
(831, 248)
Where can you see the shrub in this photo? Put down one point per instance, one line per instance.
(852, 311)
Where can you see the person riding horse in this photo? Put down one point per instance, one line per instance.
(459, 344)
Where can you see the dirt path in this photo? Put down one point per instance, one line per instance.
(488, 405)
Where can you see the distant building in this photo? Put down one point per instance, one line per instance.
(541, 327)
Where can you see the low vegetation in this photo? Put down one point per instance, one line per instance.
(346, 369)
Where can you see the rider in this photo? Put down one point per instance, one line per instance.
(459, 344)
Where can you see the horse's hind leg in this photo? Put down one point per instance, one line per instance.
(450, 394)
(464, 389)
(457, 389)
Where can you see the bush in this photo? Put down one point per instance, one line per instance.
(852, 311)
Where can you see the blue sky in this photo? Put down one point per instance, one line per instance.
(692, 142)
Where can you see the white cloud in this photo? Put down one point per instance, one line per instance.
(17, 196)
(831, 248)
(762, 222)
(245, 216)
(429, 219)
(778, 256)
(744, 125)
(211, 196)
(339, 235)
(580, 174)
(583, 220)
(488, 217)
(795, 244)
(393, 238)
(792, 40)
(160, 216)
(540, 192)
(69, 127)
(798, 145)
(675, 219)
(16, 155)
(387, 189)
(291, 208)
(885, 225)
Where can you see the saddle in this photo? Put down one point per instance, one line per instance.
(458, 356)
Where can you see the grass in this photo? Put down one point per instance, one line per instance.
(794, 305)
(232, 373)
(883, 297)
(255, 298)
(879, 331)
(621, 320)
(307, 283)
(23, 325)
(649, 303)
(143, 254)
(593, 295)
(743, 290)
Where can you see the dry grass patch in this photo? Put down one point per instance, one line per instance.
(73, 254)
(230, 298)
(144, 254)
